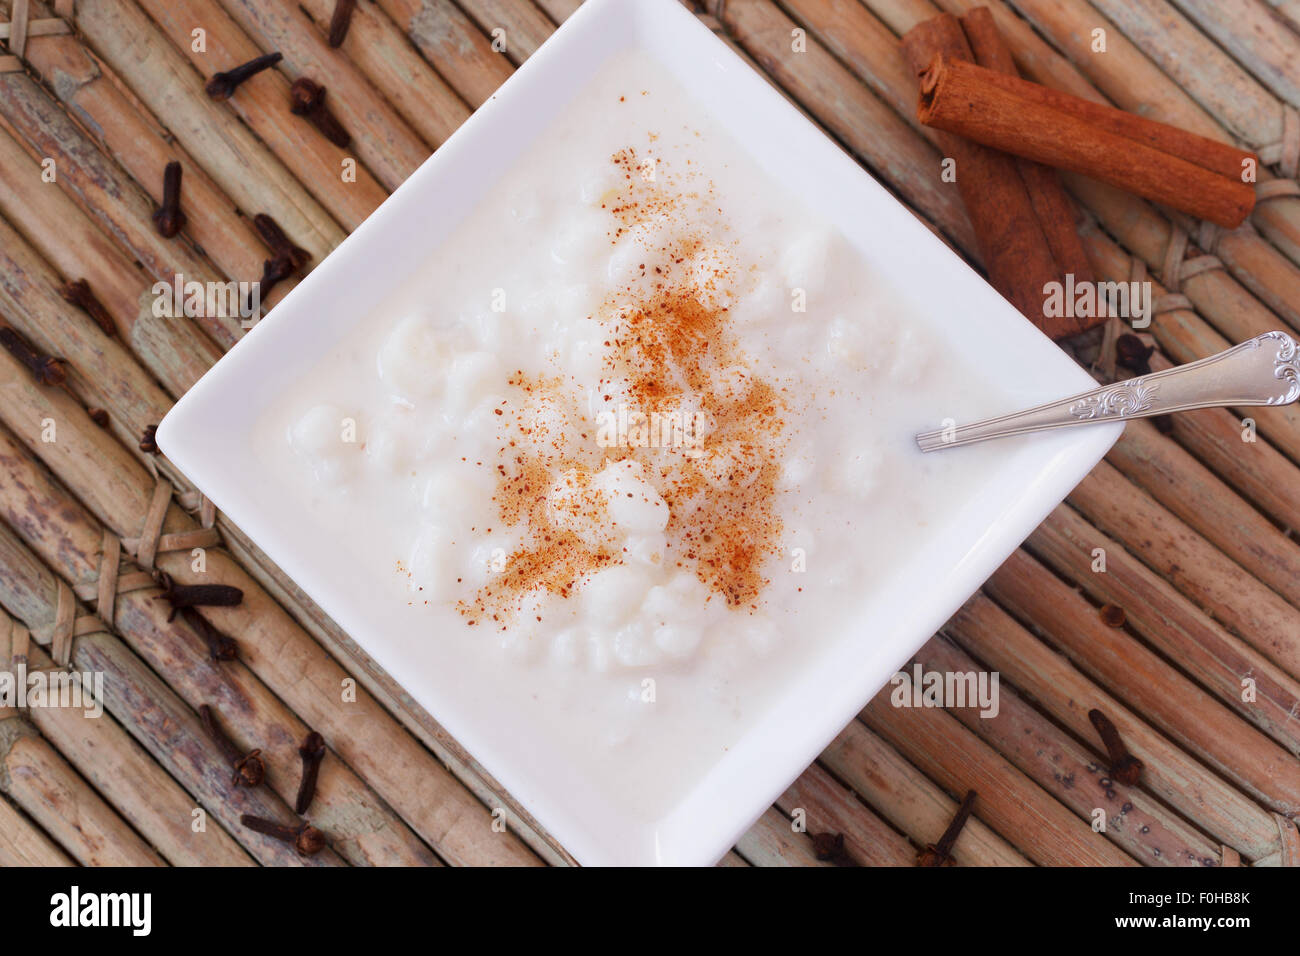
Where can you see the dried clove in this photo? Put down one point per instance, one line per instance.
(940, 854)
(829, 848)
(221, 647)
(1134, 354)
(279, 243)
(168, 218)
(1124, 767)
(223, 85)
(249, 770)
(340, 21)
(312, 752)
(305, 838)
(148, 440)
(274, 271)
(196, 595)
(99, 416)
(46, 369)
(1113, 615)
(307, 98)
(79, 294)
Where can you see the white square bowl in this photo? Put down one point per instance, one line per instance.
(207, 435)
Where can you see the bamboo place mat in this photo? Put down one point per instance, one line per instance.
(1165, 593)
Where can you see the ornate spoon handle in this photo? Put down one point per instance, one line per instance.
(1264, 370)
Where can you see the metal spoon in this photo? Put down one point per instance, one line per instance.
(1264, 370)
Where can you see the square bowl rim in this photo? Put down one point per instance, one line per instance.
(178, 433)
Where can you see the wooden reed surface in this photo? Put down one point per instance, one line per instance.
(1197, 527)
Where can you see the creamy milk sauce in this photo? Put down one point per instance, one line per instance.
(636, 592)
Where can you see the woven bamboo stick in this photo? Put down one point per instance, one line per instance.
(429, 798)
(1074, 774)
(23, 844)
(361, 828)
(869, 48)
(74, 245)
(59, 227)
(1260, 267)
(108, 196)
(40, 781)
(874, 132)
(1256, 469)
(1185, 337)
(453, 44)
(1216, 435)
(906, 798)
(1173, 703)
(772, 842)
(559, 10)
(1189, 563)
(1188, 489)
(1278, 219)
(234, 156)
(123, 773)
(523, 26)
(1288, 11)
(1130, 78)
(1172, 774)
(29, 303)
(385, 142)
(147, 708)
(281, 654)
(1171, 623)
(829, 808)
(142, 147)
(1140, 89)
(382, 52)
(1262, 40)
(1200, 67)
(1017, 808)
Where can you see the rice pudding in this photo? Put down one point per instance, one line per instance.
(634, 443)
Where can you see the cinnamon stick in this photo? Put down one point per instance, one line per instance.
(1184, 172)
(1011, 241)
(1057, 214)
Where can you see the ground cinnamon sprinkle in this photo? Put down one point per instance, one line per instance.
(669, 349)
